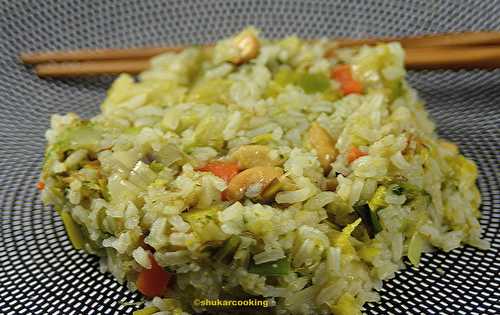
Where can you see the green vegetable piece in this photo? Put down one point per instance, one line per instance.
(395, 89)
(156, 166)
(85, 136)
(229, 248)
(313, 83)
(376, 203)
(104, 189)
(284, 76)
(400, 186)
(415, 249)
(370, 219)
(397, 190)
(411, 191)
(82, 134)
(200, 215)
(132, 130)
(279, 267)
(146, 311)
(73, 231)
(377, 227)
(378, 199)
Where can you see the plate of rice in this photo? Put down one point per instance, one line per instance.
(264, 174)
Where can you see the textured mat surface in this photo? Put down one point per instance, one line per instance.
(39, 271)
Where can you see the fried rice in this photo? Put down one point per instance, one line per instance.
(288, 170)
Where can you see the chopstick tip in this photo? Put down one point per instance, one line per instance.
(23, 57)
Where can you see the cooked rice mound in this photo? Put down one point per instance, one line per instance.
(283, 169)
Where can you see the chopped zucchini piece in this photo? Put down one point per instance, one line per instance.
(263, 138)
(204, 224)
(313, 83)
(415, 249)
(229, 248)
(342, 239)
(368, 253)
(74, 233)
(200, 215)
(377, 227)
(368, 213)
(378, 199)
(397, 190)
(284, 76)
(370, 219)
(411, 191)
(146, 311)
(156, 166)
(279, 267)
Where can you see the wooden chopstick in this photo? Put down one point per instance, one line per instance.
(449, 39)
(432, 40)
(474, 57)
(95, 54)
(448, 51)
(89, 68)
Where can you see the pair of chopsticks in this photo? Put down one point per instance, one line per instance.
(469, 50)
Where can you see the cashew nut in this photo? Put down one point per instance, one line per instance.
(262, 175)
(248, 46)
(278, 184)
(249, 156)
(324, 145)
(330, 184)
